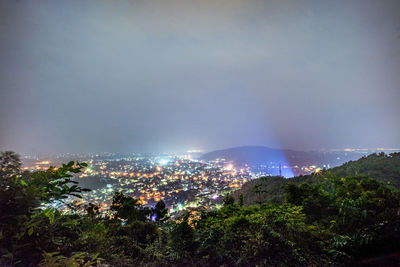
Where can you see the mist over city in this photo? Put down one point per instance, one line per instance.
(199, 133)
(166, 76)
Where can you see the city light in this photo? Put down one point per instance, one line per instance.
(229, 167)
(163, 162)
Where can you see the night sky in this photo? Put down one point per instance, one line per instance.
(168, 75)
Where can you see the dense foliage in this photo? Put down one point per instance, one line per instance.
(384, 168)
(333, 220)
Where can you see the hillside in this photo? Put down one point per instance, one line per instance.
(247, 155)
(384, 168)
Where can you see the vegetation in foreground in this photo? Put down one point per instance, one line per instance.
(334, 220)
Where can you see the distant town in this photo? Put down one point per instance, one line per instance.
(182, 181)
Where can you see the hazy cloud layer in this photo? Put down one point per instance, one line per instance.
(173, 75)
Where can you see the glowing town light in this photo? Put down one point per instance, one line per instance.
(163, 162)
(229, 167)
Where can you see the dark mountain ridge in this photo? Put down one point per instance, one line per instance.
(258, 155)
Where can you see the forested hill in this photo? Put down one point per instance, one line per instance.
(382, 167)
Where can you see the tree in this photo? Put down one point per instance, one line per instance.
(92, 210)
(22, 195)
(260, 188)
(241, 200)
(229, 200)
(159, 213)
(316, 202)
(10, 164)
(128, 209)
(182, 238)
